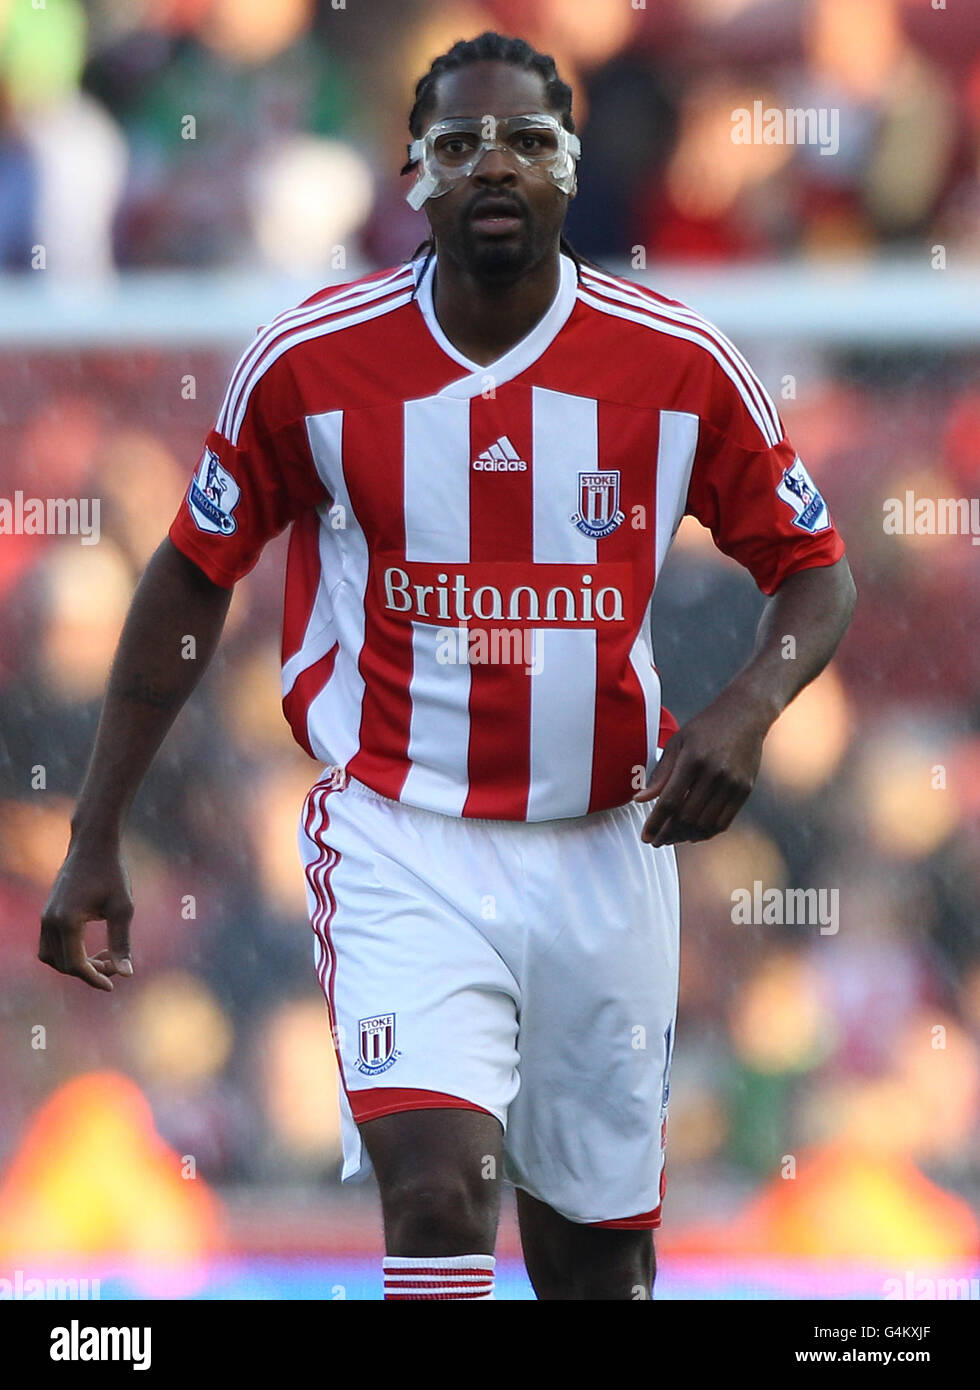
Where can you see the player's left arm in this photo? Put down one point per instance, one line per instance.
(751, 489)
(710, 765)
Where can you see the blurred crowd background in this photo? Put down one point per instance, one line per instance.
(854, 1054)
(203, 132)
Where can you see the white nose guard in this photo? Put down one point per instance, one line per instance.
(450, 151)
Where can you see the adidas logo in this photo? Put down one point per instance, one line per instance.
(501, 457)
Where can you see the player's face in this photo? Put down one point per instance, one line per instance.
(504, 218)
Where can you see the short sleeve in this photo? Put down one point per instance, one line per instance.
(255, 476)
(752, 490)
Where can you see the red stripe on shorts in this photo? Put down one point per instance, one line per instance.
(647, 1220)
(318, 876)
(371, 1102)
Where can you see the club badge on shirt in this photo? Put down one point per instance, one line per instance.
(799, 491)
(213, 497)
(598, 513)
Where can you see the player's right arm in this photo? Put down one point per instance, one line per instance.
(149, 683)
(255, 476)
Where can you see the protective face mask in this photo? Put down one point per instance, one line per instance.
(450, 151)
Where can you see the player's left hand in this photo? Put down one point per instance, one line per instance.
(705, 773)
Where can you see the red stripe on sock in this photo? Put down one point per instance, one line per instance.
(433, 1297)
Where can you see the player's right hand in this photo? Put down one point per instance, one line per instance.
(92, 886)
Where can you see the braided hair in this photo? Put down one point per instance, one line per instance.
(491, 47)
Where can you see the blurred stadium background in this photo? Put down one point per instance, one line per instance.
(181, 1137)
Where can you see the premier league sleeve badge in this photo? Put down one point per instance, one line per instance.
(798, 490)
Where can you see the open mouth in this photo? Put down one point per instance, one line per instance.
(496, 218)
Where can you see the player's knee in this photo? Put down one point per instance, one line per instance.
(635, 1285)
(425, 1212)
(601, 1270)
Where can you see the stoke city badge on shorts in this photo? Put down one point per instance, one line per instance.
(376, 1050)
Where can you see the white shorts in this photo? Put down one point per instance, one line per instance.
(526, 969)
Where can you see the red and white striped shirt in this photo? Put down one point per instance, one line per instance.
(474, 548)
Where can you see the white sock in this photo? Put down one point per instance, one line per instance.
(433, 1277)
